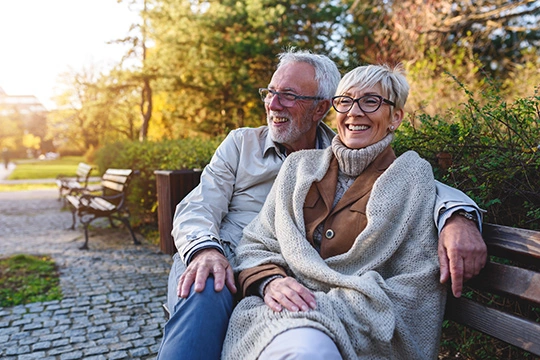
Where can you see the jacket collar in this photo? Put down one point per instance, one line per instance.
(361, 186)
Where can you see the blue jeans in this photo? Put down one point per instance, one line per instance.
(198, 324)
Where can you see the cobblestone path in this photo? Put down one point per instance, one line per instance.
(112, 293)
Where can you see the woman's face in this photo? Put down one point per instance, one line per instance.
(357, 129)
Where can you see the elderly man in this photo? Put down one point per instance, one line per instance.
(208, 223)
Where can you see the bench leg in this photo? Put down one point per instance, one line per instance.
(85, 245)
(126, 222)
(73, 219)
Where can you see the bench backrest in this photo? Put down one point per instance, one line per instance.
(116, 181)
(513, 272)
(83, 173)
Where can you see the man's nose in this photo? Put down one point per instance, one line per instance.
(274, 103)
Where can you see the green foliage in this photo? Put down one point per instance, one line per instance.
(494, 150)
(218, 53)
(147, 157)
(25, 279)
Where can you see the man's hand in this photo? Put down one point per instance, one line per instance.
(462, 252)
(204, 263)
(287, 292)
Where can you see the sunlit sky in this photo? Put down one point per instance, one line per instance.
(40, 39)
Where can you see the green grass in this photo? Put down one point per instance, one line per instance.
(45, 169)
(26, 279)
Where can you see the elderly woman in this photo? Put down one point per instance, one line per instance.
(342, 259)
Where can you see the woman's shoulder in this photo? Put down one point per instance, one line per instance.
(412, 157)
(413, 164)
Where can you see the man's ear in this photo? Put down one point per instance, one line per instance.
(322, 108)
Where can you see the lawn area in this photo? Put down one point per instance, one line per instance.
(25, 279)
(45, 169)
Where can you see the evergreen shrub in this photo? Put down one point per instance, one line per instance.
(146, 157)
(488, 148)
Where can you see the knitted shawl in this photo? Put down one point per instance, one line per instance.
(381, 299)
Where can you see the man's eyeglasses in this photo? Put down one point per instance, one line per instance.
(368, 103)
(286, 99)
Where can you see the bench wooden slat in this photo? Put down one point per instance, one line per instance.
(83, 170)
(121, 172)
(73, 200)
(115, 178)
(506, 327)
(102, 205)
(515, 243)
(500, 278)
(112, 185)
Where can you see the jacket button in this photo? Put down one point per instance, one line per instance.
(329, 233)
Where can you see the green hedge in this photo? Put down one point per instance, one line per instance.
(489, 149)
(146, 157)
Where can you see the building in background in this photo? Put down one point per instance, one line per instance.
(23, 125)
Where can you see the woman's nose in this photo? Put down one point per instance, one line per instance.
(355, 109)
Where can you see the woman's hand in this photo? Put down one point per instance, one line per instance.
(289, 293)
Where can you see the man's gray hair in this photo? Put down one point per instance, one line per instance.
(394, 85)
(326, 72)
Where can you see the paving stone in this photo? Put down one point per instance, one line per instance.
(74, 355)
(33, 355)
(60, 342)
(96, 350)
(60, 350)
(20, 335)
(140, 352)
(117, 355)
(43, 345)
(21, 322)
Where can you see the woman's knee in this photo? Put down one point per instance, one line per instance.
(301, 343)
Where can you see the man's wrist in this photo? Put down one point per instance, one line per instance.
(467, 215)
(467, 212)
(209, 244)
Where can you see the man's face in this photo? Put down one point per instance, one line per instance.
(293, 126)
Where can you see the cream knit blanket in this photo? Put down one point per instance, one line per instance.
(380, 300)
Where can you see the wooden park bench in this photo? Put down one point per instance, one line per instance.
(513, 272)
(110, 203)
(74, 185)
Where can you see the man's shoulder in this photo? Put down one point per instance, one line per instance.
(249, 139)
(261, 131)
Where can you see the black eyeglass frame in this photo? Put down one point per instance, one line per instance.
(294, 96)
(381, 101)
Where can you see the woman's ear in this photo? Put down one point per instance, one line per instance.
(397, 118)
